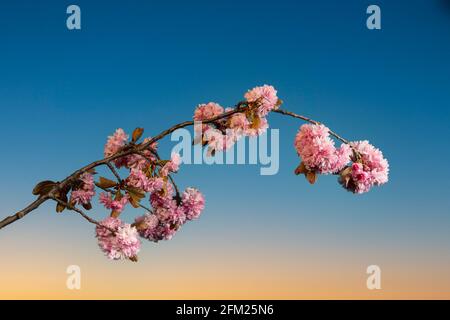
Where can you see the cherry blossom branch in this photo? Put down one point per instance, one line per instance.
(22, 213)
(137, 149)
(148, 174)
(133, 149)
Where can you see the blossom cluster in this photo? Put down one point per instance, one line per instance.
(320, 156)
(222, 134)
(147, 175)
(117, 239)
(369, 168)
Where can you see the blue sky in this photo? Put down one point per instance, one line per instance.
(148, 63)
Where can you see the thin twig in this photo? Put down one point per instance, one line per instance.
(177, 191)
(119, 179)
(294, 115)
(72, 208)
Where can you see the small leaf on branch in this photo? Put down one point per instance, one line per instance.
(63, 197)
(279, 103)
(137, 133)
(346, 176)
(300, 169)
(60, 207)
(118, 195)
(162, 162)
(43, 187)
(256, 122)
(135, 196)
(105, 183)
(115, 214)
(311, 177)
(134, 202)
(87, 206)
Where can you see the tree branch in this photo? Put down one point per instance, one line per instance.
(22, 213)
(134, 149)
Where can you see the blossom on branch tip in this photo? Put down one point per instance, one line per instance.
(115, 142)
(122, 244)
(193, 203)
(369, 169)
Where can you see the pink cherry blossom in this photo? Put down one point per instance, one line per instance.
(123, 244)
(372, 169)
(317, 150)
(239, 123)
(207, 111)
(139, 180)
(115, 205)
(193, 203)
(173, 165)
(170, 213)
(115, 142)
(152, 228)
(163, 196)
(84, 194)
(266, 96)
(217, 141)
(147, 226)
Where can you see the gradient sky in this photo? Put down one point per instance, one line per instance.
(149, 63)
